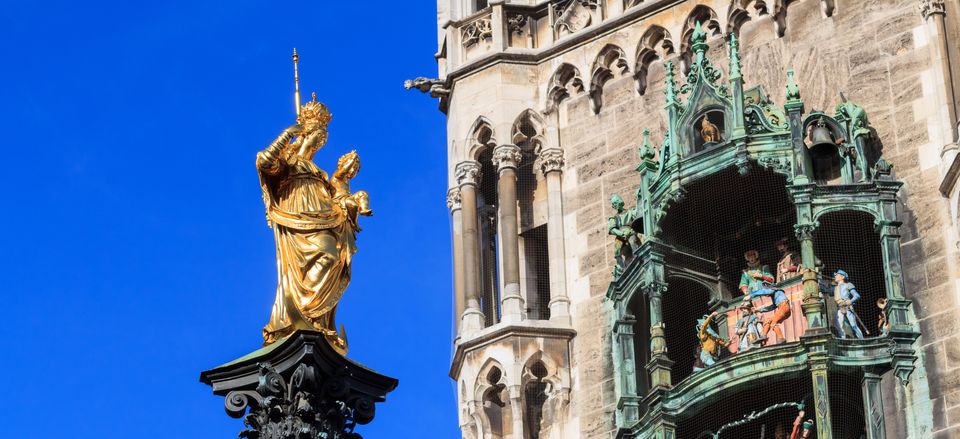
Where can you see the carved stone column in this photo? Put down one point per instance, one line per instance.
(625, 372)
(516, 410)
(551, 164)
(821, 393)
(456, 220)
(934, 12)
(299, 387)
(873, 404)
(813, 306)
(499, 24)
(507, 158)
(660, 364)
(468, 176)
(805, 236)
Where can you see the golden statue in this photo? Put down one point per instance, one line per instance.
(708, 131)
(314, 222)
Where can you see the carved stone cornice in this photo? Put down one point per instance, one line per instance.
(506, 156)
(453, 199)
(929, 8)
(467, 172)
(550, 160)
(528, 329)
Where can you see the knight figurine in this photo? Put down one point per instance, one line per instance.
(627, 240)
(845, 295)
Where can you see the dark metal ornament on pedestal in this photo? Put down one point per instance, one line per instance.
(299, 388)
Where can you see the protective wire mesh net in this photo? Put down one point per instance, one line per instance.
(535, 270)
(534, 395)
(848, 241)
(710, 231)
(532, 211)
(487, 210)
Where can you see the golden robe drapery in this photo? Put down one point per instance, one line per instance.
(315, 242)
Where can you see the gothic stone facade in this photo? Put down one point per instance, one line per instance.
(546, 105)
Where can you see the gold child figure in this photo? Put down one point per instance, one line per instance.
(353, 204)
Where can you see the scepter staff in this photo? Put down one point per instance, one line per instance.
(296, 82)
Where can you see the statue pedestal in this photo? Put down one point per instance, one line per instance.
(299, 387)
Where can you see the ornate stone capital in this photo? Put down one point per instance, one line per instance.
(507, 156)
(929, 8)
(550, 160)
(453, 199)
(653, 290)
(302, 385)
(805, 231)
(467, 172)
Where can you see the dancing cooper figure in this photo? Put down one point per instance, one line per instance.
(314, 221)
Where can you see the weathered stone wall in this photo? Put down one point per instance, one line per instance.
(878, 53)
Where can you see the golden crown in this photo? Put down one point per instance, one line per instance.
(314, 110)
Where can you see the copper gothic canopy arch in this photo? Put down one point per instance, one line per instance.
(758, 183)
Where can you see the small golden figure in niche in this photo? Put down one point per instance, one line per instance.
(708, 131)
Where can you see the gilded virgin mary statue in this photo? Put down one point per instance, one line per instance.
(314, 222)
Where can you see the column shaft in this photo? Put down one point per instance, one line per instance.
(471, 252)
(944, 54)
(467, 176)
(551, 164)
(625, 372)
(516, 405)
(821, 400)
(873, 405)
(459, 285)
(507, 157)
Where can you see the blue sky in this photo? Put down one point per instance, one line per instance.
(135, 252)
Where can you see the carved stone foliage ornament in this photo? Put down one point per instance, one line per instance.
(762, 115)
(453, 198)
(780, 164)
(931, 7)
(468, 172)
(550, 160)
(517, 23)
(307, 407)
(476, 31)
(507, 156)
(300, 388)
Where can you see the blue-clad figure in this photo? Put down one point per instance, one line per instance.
(780, 308)
(845, 294)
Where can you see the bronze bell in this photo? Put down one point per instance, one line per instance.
(820, 134)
